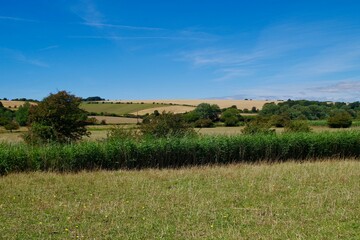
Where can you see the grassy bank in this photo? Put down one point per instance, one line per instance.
(178, 152)
(281, 201)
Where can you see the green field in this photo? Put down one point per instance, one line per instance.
(281, 201)
(117, 108)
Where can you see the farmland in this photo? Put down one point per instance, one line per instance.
(116, 108)
(240, 104)
(220, 183)
(317, 200)
(142, 107)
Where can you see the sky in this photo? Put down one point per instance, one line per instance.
(181, 49)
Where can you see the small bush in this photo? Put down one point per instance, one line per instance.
(340, 119)
(279, 120)
(12, 126)
(297, 126)
(121, 133)
(259, 125)
(204, 123)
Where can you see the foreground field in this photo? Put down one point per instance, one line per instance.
(280, 201)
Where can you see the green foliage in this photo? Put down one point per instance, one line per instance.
(309, 110)
(22, 114)
(270, 109)
(178, 152)
(259, 125)
(12, 126)
(166, 124)
(280, 120)
(231, 117)
(297, 126)
(6, 116)
(206, 110)
(95, 98)
(204, 123)
(340, 119)
(57, 118)
(120, 133)
(191, 117)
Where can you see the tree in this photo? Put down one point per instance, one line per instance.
(22, 114)
(206, 110)
(57, 118)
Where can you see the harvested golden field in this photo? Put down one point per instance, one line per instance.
(14, 104)
(174, 109)
(116, 120)
(241, 104)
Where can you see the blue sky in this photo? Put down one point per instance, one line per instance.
(181, 49)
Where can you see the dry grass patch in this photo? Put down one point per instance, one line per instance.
(117, 120)
(282, 201)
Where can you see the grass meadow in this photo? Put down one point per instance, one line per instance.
(117, 108)
(313, 200)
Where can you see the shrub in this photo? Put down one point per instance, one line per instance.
(340, 119)
(121, 133)
(259, 125)
(297, 126)
(12, 126)
(279, 120)
(91, 121)
(204, 123)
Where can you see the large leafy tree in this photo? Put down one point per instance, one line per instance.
(208, 111)
(57, 118)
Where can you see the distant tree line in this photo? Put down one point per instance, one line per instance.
(91, 99)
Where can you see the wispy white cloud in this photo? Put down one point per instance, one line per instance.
(16, 19)
(343, 87)
(48, 48)
(93, 17)
(19, 56)
(288, 61)
(138, 37)
(88, 12)
(101, 25)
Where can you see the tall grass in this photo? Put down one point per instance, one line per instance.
(178, 152)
